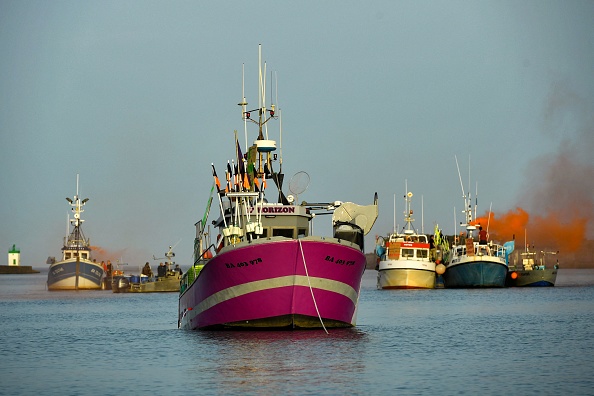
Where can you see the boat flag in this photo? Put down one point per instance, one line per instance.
(239, 157)
(509, 248)
(216, 178)
(229, 173)
(218, 184)
(246, 182)
(243, 176)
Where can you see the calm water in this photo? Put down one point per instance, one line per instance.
(495, 341)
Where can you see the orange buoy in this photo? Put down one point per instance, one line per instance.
(514, 275)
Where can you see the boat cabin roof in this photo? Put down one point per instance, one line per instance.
(419, 238)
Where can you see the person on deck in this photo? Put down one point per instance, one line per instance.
(178, 269)
(146, 270)
(483, 241)
(462, 238)
(432, 249)
(162, 270)
(482, 236)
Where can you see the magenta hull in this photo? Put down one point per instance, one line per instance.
(269, 284)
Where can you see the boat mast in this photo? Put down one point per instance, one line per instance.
(409, 229)
(76, 239)
(422, 215)
(243, 104)
(264, 146)
(395, 229)
(467, 203)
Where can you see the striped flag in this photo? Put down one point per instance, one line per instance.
(216, 178)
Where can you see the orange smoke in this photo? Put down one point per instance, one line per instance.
(556, 206)
(551, 231)
(101, 254)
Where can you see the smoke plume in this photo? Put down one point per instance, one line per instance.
(555, 210)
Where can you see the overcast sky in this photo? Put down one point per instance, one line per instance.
(140, 97)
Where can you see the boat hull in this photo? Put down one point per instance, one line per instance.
(161, 285)
(475, 274)
(73, 275)
(406, 275)
(531, 278)
(120, 284)
(276, 283)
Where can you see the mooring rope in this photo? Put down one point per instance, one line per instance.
(310, 288)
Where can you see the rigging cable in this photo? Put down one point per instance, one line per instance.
(310, 288)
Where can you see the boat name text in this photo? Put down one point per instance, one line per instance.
(244, 263)
(340, 261)
(274, 209)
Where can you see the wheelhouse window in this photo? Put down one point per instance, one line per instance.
(285, 232)
(421, 253)
(408, 253)
(301, 232)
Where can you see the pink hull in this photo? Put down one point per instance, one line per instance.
(268, 285)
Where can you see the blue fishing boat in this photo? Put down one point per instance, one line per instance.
(474, 263)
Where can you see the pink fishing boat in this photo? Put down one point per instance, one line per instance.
(266, 269)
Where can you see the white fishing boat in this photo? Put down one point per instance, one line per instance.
(77, 270)
(407, 259)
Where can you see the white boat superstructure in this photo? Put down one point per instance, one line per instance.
(406, 258)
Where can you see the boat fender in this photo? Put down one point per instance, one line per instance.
(514, 275)
(440, 269)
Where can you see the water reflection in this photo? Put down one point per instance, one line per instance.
(248, 361)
